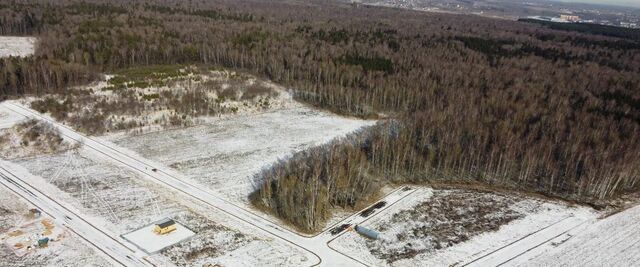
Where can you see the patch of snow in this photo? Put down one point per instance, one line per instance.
(260, 253)
(8, 119)
(16, 46)
(612, 241)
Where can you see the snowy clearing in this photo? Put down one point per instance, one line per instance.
(100, 188)
(153, 98)
(16, 46)
(443, 240)
(8, 119)
(612, 241)
(225, 153)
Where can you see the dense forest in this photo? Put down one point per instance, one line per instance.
(606, 30)
(460, 98)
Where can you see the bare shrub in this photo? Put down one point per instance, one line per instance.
(37, 133)
(229, 93)
(4, 138)
(257, 90)
(212, 85)
(130, 107)
(50, 105)
(89, 122)
(30, 138)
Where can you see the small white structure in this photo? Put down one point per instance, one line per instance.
(146, 239)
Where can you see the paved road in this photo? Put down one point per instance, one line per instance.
(117, 250)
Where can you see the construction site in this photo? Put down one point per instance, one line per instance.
(37, 233)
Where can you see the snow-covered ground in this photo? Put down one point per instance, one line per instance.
(29, 138)
(534, 215)
(16, 46)
(8, 118)
(612, 241)
(225, 153)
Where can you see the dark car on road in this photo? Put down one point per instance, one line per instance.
(338, 229)
(372, 209)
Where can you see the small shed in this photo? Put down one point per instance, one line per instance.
(165, 226)
(35, 213)
(43, 242)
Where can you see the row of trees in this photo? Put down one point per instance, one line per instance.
(14, 21)
(20, 76)
(347, 172)
(500, 102)
(304, 188)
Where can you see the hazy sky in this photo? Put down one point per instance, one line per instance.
(633, 3)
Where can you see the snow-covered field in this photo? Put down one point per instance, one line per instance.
(433, 241)
(8, 118)
(16, 46)
(69, 251)
(612, 241)
(225, 153)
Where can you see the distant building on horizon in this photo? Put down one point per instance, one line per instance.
(571, 18)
